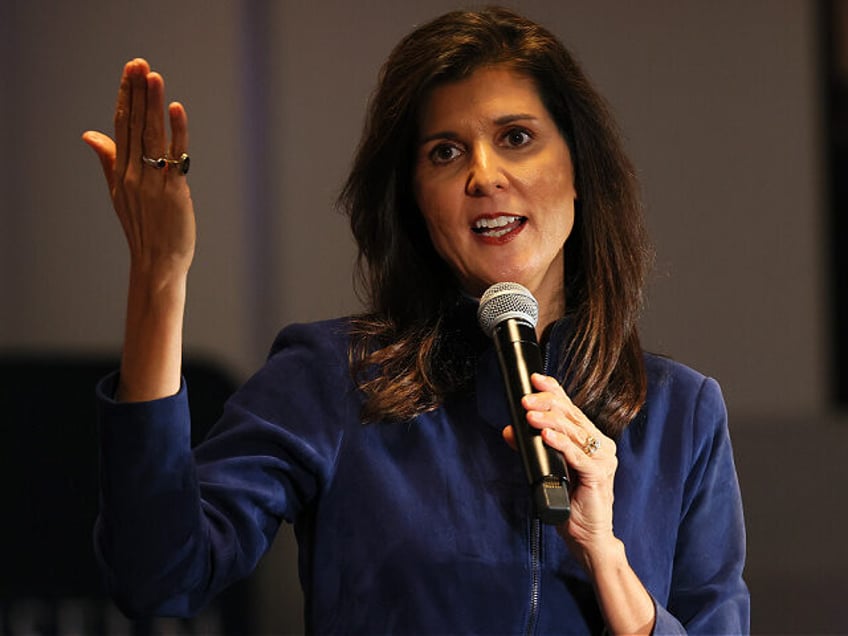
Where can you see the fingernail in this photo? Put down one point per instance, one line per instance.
(550, 434)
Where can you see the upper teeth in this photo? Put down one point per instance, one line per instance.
(498, 221)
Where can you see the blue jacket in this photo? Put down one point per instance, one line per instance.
(419, 527)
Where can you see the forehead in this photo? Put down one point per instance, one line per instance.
(488, 94)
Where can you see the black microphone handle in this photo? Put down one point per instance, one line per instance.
(519, 357)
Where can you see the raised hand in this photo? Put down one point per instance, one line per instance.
(147, 182)
(153, 204)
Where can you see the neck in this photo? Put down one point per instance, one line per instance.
(551, 309)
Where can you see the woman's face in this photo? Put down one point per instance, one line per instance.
(494, 181)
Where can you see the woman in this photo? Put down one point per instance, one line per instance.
(487, 156)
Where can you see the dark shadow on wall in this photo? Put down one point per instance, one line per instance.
(833, 21)
(49, 581)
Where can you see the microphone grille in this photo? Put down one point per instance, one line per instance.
(503, 301)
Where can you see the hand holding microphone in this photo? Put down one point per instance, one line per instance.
(508, 314)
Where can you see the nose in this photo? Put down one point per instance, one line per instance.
(485, 174)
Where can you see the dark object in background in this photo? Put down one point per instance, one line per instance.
(833, 22)
(49, 580)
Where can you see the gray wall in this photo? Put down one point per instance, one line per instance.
(720, 104)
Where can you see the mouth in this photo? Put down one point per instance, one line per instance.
(497, 226)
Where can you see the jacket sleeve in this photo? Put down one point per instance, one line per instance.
(708, 595)
(148, 534)
(176, 525)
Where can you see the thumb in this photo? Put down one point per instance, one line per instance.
(508, 434)
(104, 147)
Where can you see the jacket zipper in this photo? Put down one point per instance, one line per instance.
(535, 573)
(536, 543)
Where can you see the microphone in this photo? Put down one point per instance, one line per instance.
(508, 314)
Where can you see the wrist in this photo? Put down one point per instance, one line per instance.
(627, 606)
(158, 281)
(152, 355)
(608, 555)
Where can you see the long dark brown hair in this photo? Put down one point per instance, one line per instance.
(398, 352)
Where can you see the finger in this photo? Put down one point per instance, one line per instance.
(179, 129)
(578, 431)
(557, 440)
(554, 422)
(544, 383)
(127, 95)
(179, 138)
(104, 147)
(552, 397)
(563, 440)
(548, 389)
(138, 110)
(594, 467)
(123, 106)
(153, 137)
(549, 395)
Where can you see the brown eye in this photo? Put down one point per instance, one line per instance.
(444, 153)
(517, 137)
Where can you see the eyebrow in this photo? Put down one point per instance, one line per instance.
(503, 120)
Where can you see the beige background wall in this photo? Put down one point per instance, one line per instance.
(720, 103)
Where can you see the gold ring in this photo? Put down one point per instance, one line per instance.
(184, 162)
(591, 446)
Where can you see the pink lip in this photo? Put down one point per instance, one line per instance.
(501, 234)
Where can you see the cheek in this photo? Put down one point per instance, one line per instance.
(561, 186)
(429, 210)
(439, 236)
(426, 201)
(436, 208)
(559, 200)
(563, 196)
(567, 221)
